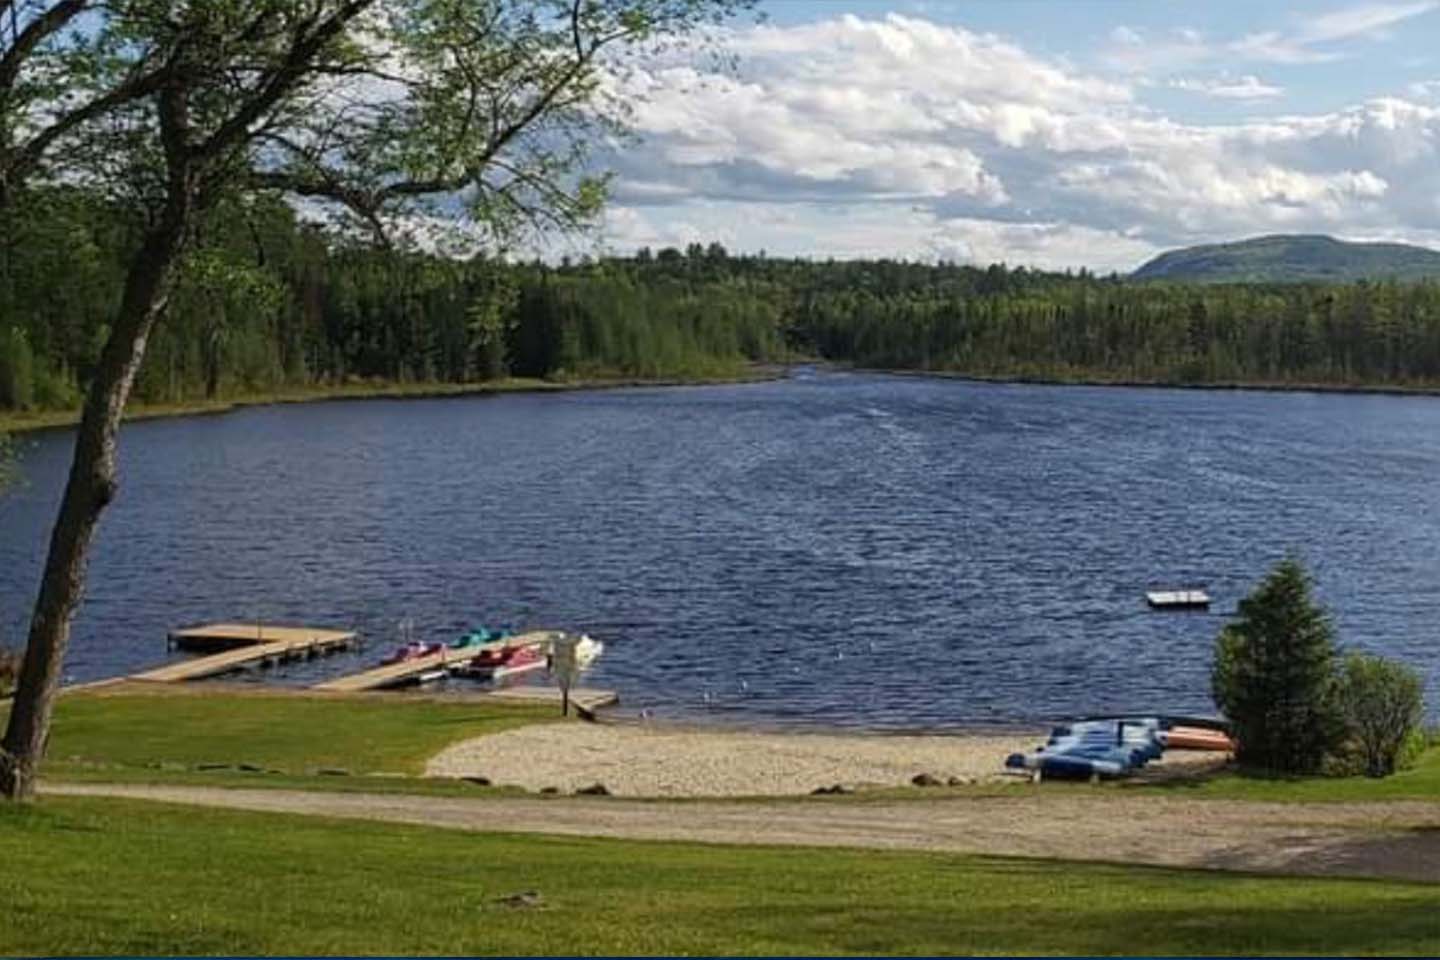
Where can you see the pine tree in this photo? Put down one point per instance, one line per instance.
(1273, 675)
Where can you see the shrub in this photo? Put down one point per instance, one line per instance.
(1381, 704)
(1274, 675)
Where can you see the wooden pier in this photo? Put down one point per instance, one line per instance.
(587, 699)
(243, 645)
(225, 636)
(406, 671)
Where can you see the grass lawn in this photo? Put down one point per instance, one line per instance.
(121, 877)
(130, 733)
(1421, 782)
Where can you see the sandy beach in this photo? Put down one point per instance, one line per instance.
(644, 760)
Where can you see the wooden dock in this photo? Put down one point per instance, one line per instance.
(588, 699)
(242, 646)
(406, 671)
(225, 636)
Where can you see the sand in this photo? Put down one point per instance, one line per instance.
(647, 760)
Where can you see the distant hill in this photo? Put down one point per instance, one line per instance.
(1292, 259)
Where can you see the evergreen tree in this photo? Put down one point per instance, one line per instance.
(1273, 675)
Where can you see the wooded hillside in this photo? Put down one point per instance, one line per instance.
(269, 302)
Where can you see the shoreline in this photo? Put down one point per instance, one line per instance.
(1257, 386)
(15, 424)
(665, 760)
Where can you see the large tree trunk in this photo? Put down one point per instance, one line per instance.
(91, 486)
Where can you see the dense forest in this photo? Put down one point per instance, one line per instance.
(269, 302)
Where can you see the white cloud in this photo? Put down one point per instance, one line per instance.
(1248, 87)
(1364, 20)
(902, 137)
(1310, 39)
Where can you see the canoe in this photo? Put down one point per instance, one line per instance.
(1196, 738)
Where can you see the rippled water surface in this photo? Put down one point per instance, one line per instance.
(831, 548)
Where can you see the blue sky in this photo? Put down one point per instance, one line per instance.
(1060, 134)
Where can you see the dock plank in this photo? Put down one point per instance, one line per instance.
(587, 698)
(240, 649)
(212, 635)
(392, 673)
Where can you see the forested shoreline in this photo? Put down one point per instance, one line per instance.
(269, 304)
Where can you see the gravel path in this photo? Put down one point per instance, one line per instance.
(1394, 840)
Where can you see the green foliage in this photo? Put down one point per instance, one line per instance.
(17, 369)
(1273, 675)
(270, 303)
(1292, 259)
(192, 881)
(1381, 704)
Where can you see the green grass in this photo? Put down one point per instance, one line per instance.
(1421, 782)
(123, 877)
(121, 735)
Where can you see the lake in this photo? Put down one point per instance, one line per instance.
(827, 549)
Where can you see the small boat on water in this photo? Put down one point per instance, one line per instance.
(479, 636)
(587, 650)
(413, 650)
(497, 663)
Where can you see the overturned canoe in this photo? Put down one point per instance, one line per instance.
(1196, 738)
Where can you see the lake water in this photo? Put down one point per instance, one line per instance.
(885, 552)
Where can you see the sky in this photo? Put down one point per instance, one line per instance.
(1052, 133)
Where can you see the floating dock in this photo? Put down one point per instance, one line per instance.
(407, 671)
(1178, 599)
(243, 645)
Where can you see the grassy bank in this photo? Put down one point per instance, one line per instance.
(1420, 782)
(116, 877)
(15, 421)
(176, 731)
(228, 735)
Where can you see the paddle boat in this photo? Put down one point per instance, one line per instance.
(1107, 747)
(497, 663)
(480, 635)
(587, 650)
(413, 650)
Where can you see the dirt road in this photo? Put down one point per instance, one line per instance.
(1395, 840)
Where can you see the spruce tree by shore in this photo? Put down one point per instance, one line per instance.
(1274, 675)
